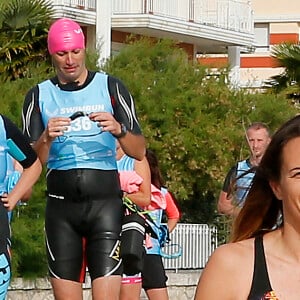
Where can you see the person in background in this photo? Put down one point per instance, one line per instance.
(73, 121)
(239, 178)
(13, 143)
(152, 278)
(135, 180)
(153, 275)
(126, 165)
(262, 260)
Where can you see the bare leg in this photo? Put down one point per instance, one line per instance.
(131, 291)
(66, 289)
(105, 288)
(157, 294)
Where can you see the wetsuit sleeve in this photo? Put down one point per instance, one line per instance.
(21, 142)
(172, 210)
(230, 177)
(123, 105)
(33, 125)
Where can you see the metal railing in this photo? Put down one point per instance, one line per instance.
(234, 15)
(197, 242)
(80, 4)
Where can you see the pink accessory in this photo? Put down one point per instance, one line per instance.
(158, 200)
(65, 35)
(130, 181)
(131, 279)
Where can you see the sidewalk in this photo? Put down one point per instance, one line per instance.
(181, 285)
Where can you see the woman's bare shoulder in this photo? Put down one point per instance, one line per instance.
(237, 250)
(231, 258)
(228, 272)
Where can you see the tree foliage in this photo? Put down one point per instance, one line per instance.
(23, 32)
(194, 122)
(287, 55)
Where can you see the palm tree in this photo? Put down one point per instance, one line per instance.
(287, 55)
(23, 32)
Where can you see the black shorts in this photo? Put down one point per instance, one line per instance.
(4, 229)
(153, 274)
(83, 223)
(4, 254)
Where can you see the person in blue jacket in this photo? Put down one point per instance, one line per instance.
(12, 142)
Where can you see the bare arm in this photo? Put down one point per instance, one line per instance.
(133, 145)
(172, 211)
(28, 193)
(225, 205)
(172, 224)
(28, 178)
(142, 197)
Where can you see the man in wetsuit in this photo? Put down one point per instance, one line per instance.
(73, 120)
(239, 178)
(13, 143)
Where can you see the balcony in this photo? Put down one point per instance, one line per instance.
(83, 11)
(210, 25)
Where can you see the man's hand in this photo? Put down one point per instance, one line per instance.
(56, 127)
(106, 122)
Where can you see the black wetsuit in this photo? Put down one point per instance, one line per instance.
(84, 205)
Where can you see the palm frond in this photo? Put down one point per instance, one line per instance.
(23, 34)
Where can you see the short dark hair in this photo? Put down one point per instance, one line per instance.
(259, 125)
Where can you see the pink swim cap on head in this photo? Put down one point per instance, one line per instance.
(65, 35)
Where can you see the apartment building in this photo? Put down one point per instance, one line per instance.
(275, 22)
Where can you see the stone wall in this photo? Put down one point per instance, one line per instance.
(181, 286)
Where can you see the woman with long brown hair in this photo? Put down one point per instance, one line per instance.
(263, 259)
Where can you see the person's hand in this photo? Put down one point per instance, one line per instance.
(106, 122)
(7, 202)
(56, 127)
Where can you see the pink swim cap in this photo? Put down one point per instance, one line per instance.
(65, 35)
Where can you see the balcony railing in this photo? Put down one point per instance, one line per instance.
(227, 14)
(80, 4)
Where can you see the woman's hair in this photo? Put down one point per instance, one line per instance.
(156, 177)
(261, 209)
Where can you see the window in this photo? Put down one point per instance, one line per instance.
(261, 37)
